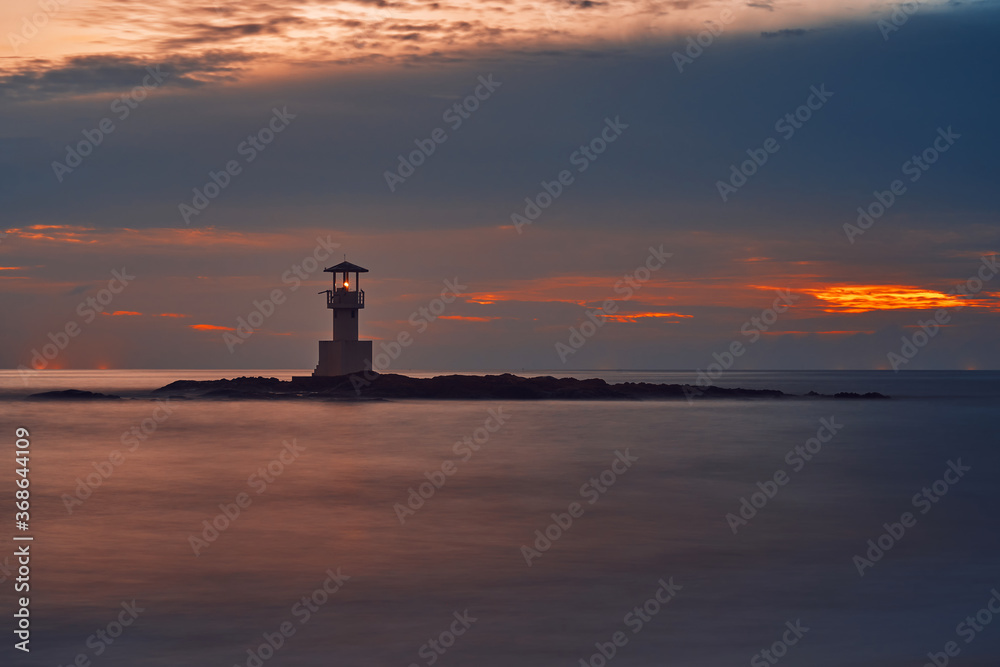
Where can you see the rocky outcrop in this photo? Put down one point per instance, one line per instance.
(72, 395)
(461, 387)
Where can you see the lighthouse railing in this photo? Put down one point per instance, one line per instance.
(345, 299)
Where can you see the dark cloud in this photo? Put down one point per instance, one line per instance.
(687, 129)
(413, 27)
(83, 75)
(787, 32)
(209, 34)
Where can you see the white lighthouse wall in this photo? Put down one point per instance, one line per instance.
(345, 324)
(343, 357)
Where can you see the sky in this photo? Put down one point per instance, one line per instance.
(636, 185)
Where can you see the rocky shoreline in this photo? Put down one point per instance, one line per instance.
(390, 386)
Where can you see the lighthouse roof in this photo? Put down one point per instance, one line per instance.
(346, 266)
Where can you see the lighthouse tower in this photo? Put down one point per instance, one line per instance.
(344, 354)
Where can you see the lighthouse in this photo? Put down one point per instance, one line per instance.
(344, 354)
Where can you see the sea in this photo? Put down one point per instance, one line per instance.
(801, 532)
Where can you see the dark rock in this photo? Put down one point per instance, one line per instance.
(72, 395)
(851, 394)
(462, 387)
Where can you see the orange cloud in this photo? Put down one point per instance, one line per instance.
(159, 240)
(210, 327)
(635, 317)
(172, 315)
(57, 233)
(467, 318)
(208, 236)
(865, 298)
(581, 290)
(368, 31)
(484, 299)
(123, 312)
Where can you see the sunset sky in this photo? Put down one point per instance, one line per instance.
(99, 174)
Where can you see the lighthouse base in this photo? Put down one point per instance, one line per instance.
(343, 357)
